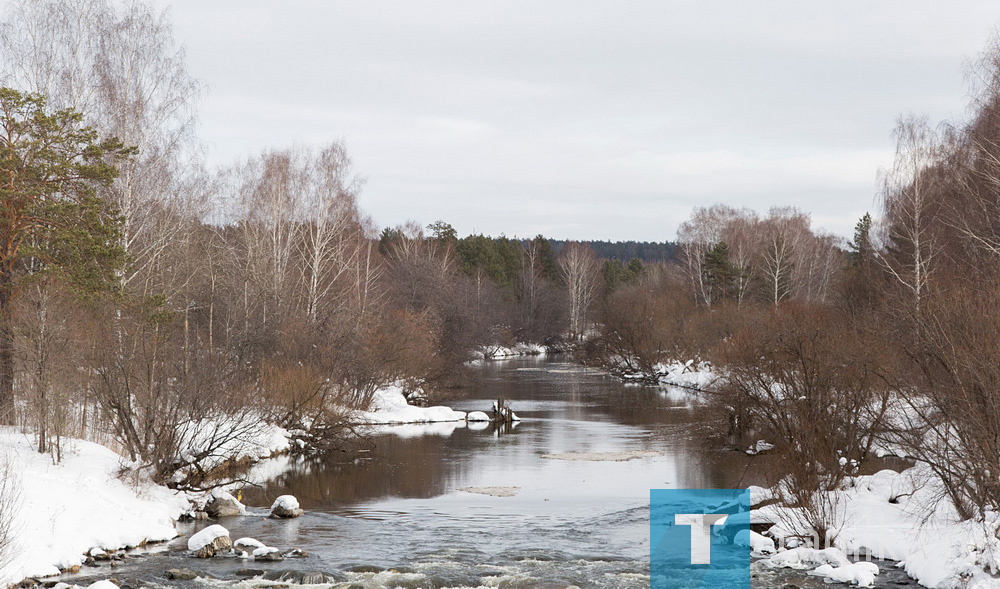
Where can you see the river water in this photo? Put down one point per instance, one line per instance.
(397, 514)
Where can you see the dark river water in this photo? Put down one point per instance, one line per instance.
(396, 515)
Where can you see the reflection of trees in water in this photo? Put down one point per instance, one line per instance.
(417, 467)
(588, 408)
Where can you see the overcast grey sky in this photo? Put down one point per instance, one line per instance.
(582, 119)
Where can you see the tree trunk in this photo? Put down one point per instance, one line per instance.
(6, 352)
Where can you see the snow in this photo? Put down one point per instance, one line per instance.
(763, 446)
(286, 501)
(416, 430)
(65, 510)
(898, 516)
(244, 543)
(807, 558)
(102, 585)
(221, 494)
(206, 536)
(251, 438)
(497, 351)
(264, 551)
(861, 574)
(477, 416)
(758, 544)
(688, 375)
(754, 496)
(389, 406)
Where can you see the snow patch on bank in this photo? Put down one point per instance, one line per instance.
(898, 516)
(518, 349)
(689, 375)
(64, 510)
(389, 406)
(246, 437)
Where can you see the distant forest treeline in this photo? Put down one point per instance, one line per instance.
(624, 251)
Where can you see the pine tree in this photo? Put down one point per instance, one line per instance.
(51, 166)
(719, 271)
(860, 249)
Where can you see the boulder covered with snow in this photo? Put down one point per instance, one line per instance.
(477, 416)
(861, 574)
(286, 506)
(105, 584)
(267, 554)
(223, 504)
(248, 544)
(210, 541)
(759, 545)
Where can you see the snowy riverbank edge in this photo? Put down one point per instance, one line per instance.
(899, 516)
(60, 512)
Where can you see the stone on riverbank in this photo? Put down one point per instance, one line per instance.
(224, 505)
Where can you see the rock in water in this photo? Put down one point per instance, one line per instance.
(210, 541)
(304, 577)
(286, 506)
(267, 554)
(248, 544)
(224, 505)
(184, 574)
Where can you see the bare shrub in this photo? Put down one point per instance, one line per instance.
(950, 417)
(180, 410)
(643, 325)
(818, 386)
(10, 506)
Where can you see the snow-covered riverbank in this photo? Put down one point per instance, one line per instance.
(389, 406)
(59, 512)
(902, 516)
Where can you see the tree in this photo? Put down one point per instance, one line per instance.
(908, 198)
(860, 249)
(720, 274)
(699, 234)
(581, 273)
(51, 166)
(443, 232)
(118, 65)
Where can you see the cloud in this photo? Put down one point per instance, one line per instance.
(593, 119)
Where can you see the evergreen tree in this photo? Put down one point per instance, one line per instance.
(719, 272)
(51, 166)
(443, 232)
(860, 249)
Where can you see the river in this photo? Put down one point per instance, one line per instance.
(397, 514)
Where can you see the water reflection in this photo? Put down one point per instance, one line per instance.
(565, 408)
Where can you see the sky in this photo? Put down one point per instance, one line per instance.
(584, 119)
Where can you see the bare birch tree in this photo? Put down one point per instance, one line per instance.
(907, 198)
(581, 273)
(328, 246)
